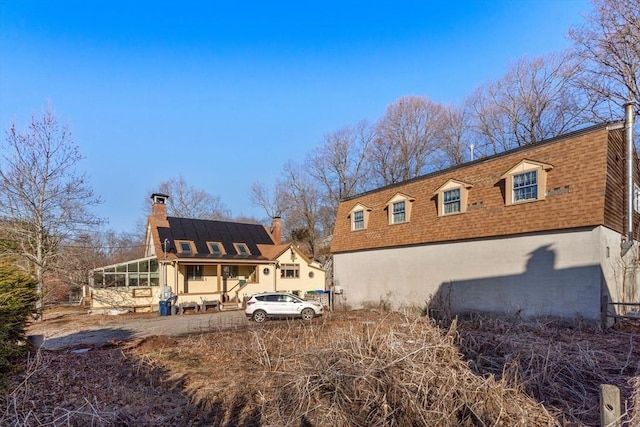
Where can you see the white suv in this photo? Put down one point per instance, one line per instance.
(281, 304)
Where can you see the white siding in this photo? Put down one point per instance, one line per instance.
(556, 274)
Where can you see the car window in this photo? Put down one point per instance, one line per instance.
(273, 298)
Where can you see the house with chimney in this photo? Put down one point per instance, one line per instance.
(200, 263)
(542, 230)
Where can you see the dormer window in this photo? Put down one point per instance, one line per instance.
(526, 182)
(451, 202)
(358, 220)
(525, 186)
(399, 212)
(215, 248)
(242, 249)
(185, 247)
(452, 197)
(359, 217)
(399, 209)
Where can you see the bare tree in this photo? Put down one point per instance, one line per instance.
(44, 201)
(91, 250)
(341, 168)
(456, 140)
(340, 163)
(303, 207)
(408, 137)
(609, 44)
(535, 100)
(269, 200)
(186, 201)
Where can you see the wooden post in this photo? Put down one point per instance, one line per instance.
(609, 406)
(604, 309)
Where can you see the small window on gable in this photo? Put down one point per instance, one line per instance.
(185, 247)
(399, 209)
(215, 248)
(242, 249)
(526, 182)
(359, 217)
(452, 197)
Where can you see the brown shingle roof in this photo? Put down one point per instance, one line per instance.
(575, 197)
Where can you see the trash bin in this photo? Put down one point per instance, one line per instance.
(165, 308)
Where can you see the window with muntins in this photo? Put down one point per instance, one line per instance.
(289, 271)
(358, 220)
(230, 271)
(525, 186)
(399, 212)
(185, 247)
(194, 272)
(451, 202)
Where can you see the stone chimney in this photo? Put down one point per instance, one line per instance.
(159, 206)
(276, 230)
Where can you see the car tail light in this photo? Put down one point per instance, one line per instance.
(250, 302)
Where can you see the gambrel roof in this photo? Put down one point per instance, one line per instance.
(579, 184)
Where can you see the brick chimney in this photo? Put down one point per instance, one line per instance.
(159, 206)
(276, 230)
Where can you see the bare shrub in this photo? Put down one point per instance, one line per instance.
(558, 365)
(384, 373)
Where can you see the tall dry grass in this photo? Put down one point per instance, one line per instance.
(384, 373)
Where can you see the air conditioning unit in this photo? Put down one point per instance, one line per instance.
(337, 290)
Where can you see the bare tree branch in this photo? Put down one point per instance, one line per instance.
(43, 200)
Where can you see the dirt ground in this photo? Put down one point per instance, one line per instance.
(72, 327)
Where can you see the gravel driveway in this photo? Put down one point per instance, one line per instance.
(79, 330)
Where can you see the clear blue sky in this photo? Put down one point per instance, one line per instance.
(224, 93)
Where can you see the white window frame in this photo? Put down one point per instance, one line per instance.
(526, 190)
(364, 211)
(393, 213)
(451, 205)
(294, 268)
(358, 220)
(526, 166)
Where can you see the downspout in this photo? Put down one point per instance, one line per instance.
(629, 113)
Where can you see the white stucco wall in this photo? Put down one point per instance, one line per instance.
(558, 274)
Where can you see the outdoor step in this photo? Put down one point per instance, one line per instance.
(227, 306)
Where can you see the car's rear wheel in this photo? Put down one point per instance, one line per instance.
(307, 314)
(259, 316)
